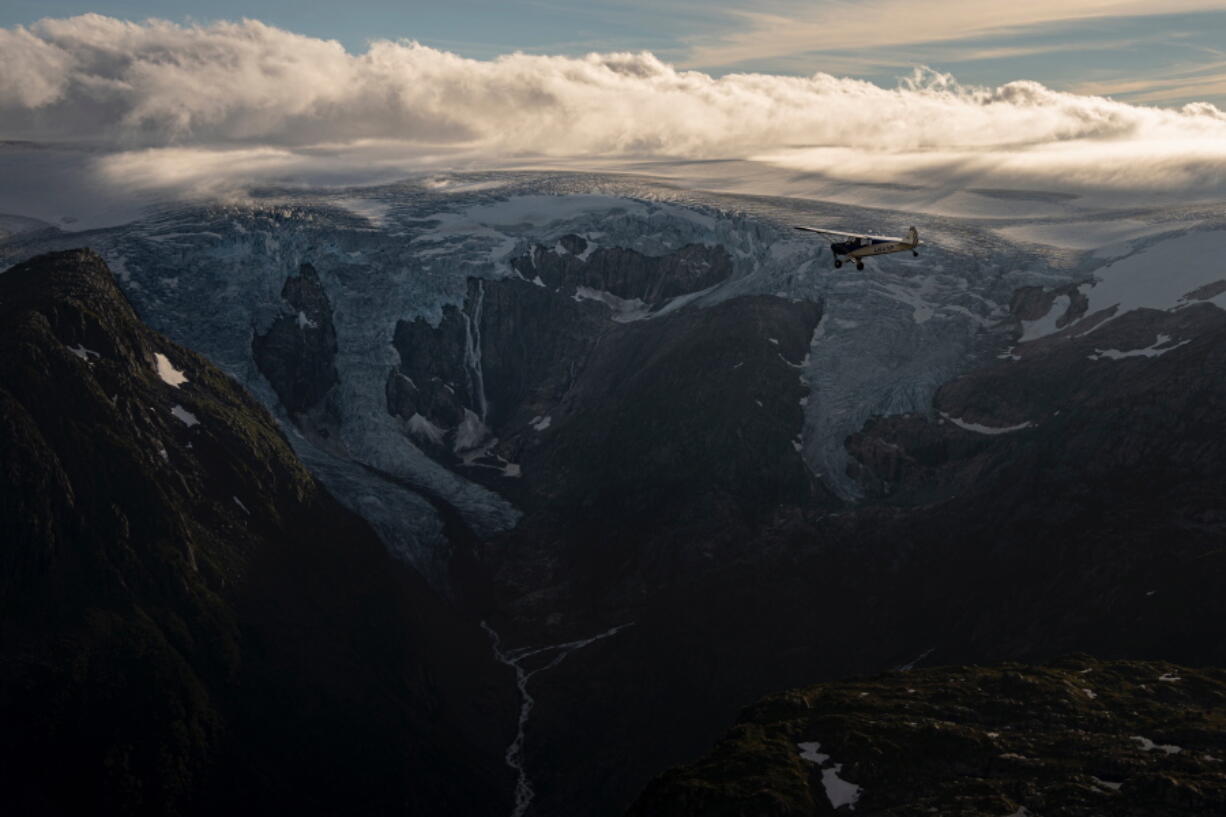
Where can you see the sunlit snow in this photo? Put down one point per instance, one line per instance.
(168, 372)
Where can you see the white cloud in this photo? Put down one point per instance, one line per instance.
(32, 70)
(197, 107)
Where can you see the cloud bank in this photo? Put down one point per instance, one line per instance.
(181, 103)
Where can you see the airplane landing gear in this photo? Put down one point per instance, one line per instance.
(914, 253)
(860, 265)
(838, 264)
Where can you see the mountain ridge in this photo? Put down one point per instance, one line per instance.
(192, 623)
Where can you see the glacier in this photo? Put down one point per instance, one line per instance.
(209, 275)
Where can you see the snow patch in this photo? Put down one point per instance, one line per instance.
(982, 429)
(839, 791)
(624, 310)
(1148, 745)
(240, 504)
(542, 423)
(184, 416)
(166, 370)
(422, 428)
(470, 433)
(304, 322)
(809, 752)
(83, 353)
(1159, 349)
(1046, 325)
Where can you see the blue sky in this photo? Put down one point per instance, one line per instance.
(1167, 53)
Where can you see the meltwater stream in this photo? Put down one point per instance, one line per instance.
(524, 794)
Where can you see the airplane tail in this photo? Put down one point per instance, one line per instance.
(913, 237)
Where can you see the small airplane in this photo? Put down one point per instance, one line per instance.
(856, 246)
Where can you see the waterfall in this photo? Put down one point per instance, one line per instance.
(472, 351)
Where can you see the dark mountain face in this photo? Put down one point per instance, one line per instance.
(192, 625)
(1066, 498)
(685, 426)
(1079, 738)
(1070, 499)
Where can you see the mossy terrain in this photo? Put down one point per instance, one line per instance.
(191, 624)
(1075, 738)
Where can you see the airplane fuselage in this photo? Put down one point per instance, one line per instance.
(879, 248)
(866, 247)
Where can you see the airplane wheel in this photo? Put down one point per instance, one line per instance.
(914, 253)
(838, 264)
(860, 265)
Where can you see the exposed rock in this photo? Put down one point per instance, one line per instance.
(1079, 738)
(1140, 393)
(192, 625)
(1207, 292)
(627, 274)
(515, 348)
(298, 352)
(1034, 303)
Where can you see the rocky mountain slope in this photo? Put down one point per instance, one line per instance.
(1077, 738)
(674, 464)
(192, 625)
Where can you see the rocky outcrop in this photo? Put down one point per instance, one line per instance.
(504, 359)
(496, 367)
(1141, 394)
(573, 264)
(1078, 738)
(192, 625)
(298, 352)
(1033, 303)
(614, 431)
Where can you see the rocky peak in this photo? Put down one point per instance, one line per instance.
(298, 352)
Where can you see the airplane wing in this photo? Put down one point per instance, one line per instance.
(840, 234)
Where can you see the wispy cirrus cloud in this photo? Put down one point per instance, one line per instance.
(790, 27)
(1205, 80)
